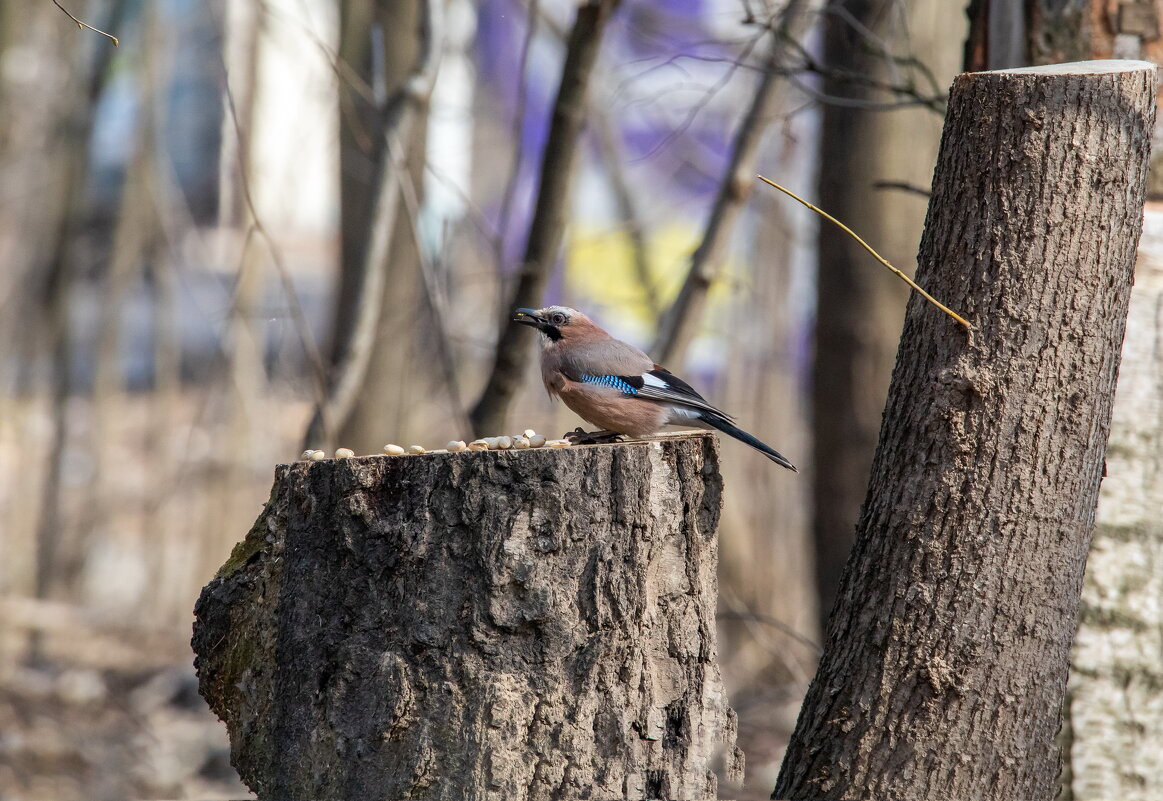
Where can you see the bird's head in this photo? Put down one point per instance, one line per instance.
(556, 323)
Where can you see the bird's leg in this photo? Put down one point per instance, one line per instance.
(599, 437)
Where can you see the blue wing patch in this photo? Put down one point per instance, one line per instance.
(613, 381)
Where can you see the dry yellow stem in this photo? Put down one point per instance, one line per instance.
(83, 25)
(875, 255)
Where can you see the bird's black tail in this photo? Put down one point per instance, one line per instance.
(731, 430)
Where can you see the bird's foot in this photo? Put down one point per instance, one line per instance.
(600, 437)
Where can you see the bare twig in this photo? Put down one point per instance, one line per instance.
(908, 97)
(84, 25)
(902, 186)
(775, 623)
(475, 213)
(437, 300)
(303, 328)
(343, 71)
(61, 273)
(680, 322)
(875, 255)
(705, 99)
(627, 209)
(906, 91)
(350, 370)
(548, 225)
(740, 612)
(531, 16)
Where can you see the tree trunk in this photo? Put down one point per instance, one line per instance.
(858, 310)
(1114, 707)
(60, 547)
(401, 331)
(519, 625)
(376, 221)
(947, 654)
(361, 135)
(550, 213)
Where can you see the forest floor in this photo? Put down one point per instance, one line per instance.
(98, 715)
(113, 712)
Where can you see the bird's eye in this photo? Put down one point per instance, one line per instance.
(558, 318)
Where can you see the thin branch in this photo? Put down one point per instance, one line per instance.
(739, 611)
(706, 98)
(775, 623)
(475, 213)
(902, 186)
(303, 328)
(934, 99)
(932, 102)
(84, 25)
(875, 255)
(349, 372)
(503, 218)
(437, 300)
(343, 71)
(627, 209)
(548, 226)
(681, 321)
(882, 45)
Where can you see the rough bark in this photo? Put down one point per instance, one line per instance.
(858, 310)
(945, 666)
(519, 625)
(1115, 709)
(1053, 31)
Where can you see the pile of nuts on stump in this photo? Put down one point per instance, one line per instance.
(528, 439)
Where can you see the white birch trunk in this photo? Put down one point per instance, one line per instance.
(1115, 706)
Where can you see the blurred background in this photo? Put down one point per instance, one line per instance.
(256, 226)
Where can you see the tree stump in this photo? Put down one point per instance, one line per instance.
(948, 649)
(499, 624)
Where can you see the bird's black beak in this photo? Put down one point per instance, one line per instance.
(528, 317)
(531, 317)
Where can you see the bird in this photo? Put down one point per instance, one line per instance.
(615, 386)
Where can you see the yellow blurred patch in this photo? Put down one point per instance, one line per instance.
(600, 267)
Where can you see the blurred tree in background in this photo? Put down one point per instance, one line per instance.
(876, 161)
(256, 225)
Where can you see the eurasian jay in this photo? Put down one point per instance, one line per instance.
(617, 387)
